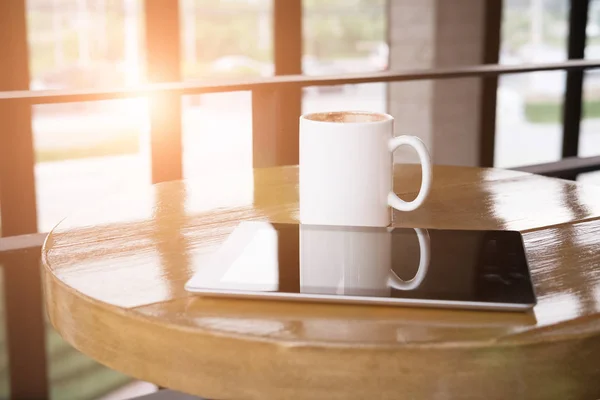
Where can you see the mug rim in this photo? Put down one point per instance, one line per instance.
(310, 117)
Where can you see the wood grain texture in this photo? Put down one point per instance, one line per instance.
(114, 277)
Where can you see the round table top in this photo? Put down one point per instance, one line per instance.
(115, 272)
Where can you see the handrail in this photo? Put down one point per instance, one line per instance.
(10, 244)
(564, 168)
(218, 86)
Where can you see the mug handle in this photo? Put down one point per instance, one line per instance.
(395, 282)
(425, 159)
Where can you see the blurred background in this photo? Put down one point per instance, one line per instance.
(99, 43)
(85, 150)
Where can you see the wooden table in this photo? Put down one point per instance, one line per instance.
(114, 277)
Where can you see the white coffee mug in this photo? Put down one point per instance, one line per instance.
(346, 169)
(354, 262)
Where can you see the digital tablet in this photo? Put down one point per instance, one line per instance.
(471, 269)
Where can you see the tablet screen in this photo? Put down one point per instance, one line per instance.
(427, 264)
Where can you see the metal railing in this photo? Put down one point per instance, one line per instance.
(276, 105)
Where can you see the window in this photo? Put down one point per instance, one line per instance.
(589, 140)
(222, 40)
(340, 38)
(529, 106)
(86, 150)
